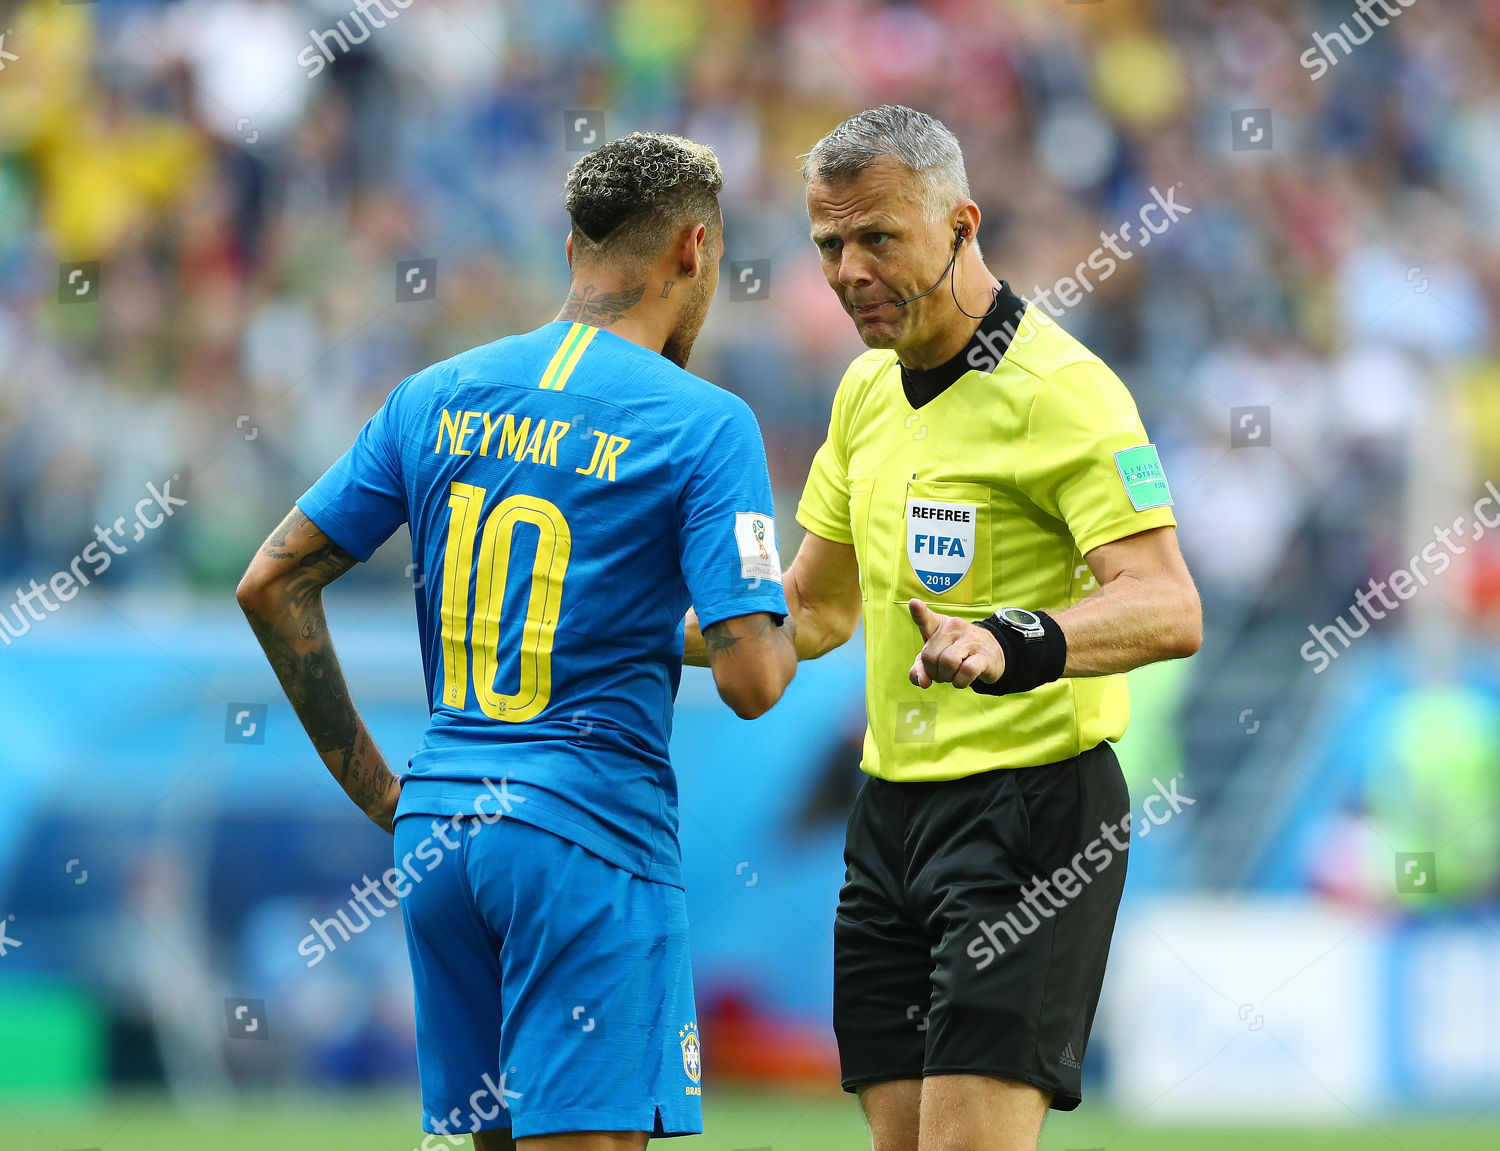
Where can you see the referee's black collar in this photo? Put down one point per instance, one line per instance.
(983, 352)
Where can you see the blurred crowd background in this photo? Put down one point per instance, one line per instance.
(247, 219)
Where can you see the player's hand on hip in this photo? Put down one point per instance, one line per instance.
(954, 650)
(384, 812)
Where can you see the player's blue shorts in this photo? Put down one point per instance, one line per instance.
(553, 989)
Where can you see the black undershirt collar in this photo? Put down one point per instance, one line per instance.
(983, 352)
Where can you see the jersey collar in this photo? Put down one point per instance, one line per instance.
(983, 352)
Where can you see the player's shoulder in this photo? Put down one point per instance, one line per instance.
(439, 381)
(503, 358)
(701, 413)
(670, 396)
(715, 402)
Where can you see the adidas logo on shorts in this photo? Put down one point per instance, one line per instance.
(1069, 1059)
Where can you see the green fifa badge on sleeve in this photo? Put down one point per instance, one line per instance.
(1145, 483)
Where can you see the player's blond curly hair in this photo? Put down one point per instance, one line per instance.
(628, 197)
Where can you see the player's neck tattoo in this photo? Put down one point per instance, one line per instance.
(666, 288)
(601, 309)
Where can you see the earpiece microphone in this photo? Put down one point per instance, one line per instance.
(960, 234)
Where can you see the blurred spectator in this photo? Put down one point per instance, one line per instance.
(249, 218)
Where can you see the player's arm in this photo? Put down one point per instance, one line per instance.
(1144, 610)
(753, 659)
(822, 597)
(281, 595)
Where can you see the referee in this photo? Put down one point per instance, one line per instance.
(988, 500)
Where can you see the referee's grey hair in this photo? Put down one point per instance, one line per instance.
(893, 131)
(627, 197)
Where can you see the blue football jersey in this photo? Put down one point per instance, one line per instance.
(570, 494)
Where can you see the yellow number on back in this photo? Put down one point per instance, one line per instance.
(553, 550)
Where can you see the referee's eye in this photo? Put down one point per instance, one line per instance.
(876, 239)
(832, 244)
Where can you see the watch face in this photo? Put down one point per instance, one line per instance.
(1020, 617)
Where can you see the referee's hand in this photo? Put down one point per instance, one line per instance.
(955, 650)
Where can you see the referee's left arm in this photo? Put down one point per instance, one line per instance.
(1145, 609)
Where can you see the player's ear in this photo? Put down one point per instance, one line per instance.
(693, 253)
(568, 248)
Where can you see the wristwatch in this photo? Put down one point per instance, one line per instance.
(1026, 624)
(1034, 646)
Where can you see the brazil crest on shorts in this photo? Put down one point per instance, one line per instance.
(940, 541)
(692, 1061)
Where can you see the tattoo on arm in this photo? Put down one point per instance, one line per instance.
(293, 631)
(601, 309)
(718, 638)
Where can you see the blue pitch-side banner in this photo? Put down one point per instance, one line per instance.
(1301, 1009)
(1442, 1010)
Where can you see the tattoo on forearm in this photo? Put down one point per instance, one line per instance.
(601, 309)
(294, 635)
(718, 638)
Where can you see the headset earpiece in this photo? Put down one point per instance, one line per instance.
(961, 232)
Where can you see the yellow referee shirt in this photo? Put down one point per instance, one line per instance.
(986, 496)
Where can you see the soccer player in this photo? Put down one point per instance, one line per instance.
(570, 492)
(987, 499)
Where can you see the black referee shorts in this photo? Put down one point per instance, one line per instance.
(974, 923)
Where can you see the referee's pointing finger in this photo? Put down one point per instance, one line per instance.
(927, 622)
(926, 619)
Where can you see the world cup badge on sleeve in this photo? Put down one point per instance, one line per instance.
(755, 535)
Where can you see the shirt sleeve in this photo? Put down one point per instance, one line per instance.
(361, 500)
(1087, 462)
(727, 542)
(824, 508)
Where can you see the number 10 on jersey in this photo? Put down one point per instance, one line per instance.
(490, 572)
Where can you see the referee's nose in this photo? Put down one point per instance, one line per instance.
(854, 267)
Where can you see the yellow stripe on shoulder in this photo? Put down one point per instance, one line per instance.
(573, 357)
(561, 354)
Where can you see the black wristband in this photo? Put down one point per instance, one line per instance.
(1028, 664)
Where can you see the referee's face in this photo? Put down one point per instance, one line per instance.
(880, 244)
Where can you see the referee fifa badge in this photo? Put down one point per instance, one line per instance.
(940, 541)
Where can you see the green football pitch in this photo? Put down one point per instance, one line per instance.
(735, 1121)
